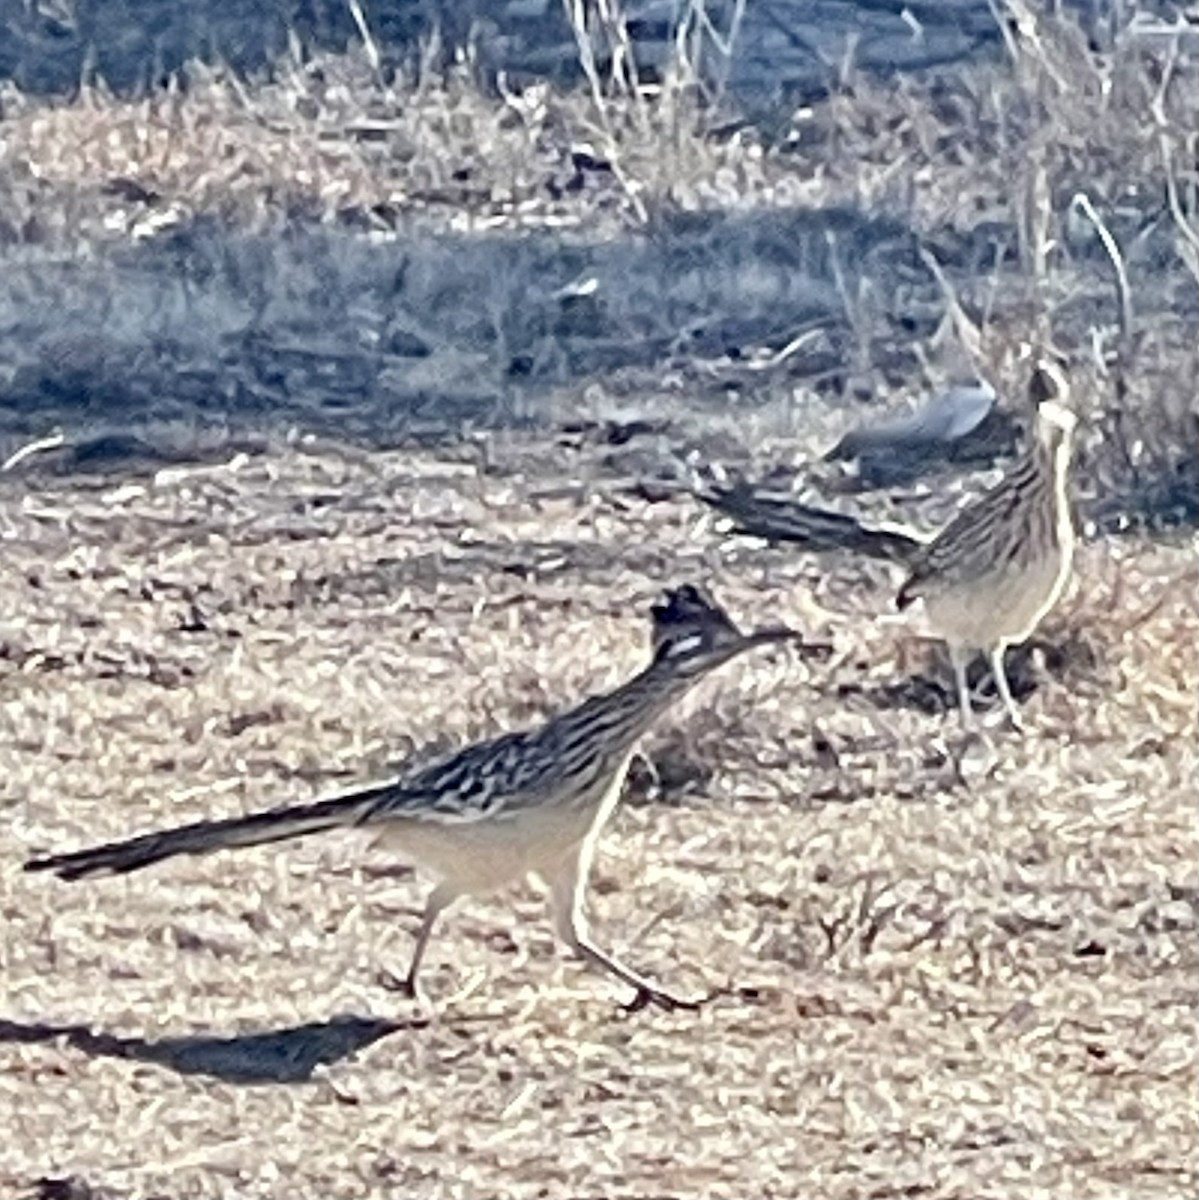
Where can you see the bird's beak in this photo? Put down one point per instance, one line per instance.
(778, 634)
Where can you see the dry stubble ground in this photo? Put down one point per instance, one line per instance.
(946, 972)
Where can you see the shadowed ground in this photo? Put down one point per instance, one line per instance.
(276, 1056)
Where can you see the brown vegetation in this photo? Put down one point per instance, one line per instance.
(942, 969)
(939, 968)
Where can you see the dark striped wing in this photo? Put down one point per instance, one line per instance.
(499, 777)
(975, 542)
(472, 784)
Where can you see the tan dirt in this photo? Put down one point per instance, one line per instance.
(942, 970)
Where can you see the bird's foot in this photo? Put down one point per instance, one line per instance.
(1009, 720)
(1013, 721)
(646, 996)
(404, 986)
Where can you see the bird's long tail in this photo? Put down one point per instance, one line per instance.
(787, 520)
(203, 837)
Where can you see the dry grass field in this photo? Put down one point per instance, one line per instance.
(939, 968)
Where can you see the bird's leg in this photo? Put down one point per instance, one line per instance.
(567, 886)
(440, 898)
(1002, 687)
(959, 657)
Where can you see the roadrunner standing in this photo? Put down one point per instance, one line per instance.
(990, 576)
(526, 802)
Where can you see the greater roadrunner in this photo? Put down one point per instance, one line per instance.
(990, 576)
(526, 802)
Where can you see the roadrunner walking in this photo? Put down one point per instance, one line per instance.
(526, 802)
(990, 576)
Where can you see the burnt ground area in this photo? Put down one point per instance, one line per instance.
(352, 420)
(418, 262)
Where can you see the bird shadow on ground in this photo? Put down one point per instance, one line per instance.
(931, 690)
(287, 1055)
(936, 695)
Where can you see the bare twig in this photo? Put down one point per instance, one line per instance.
(1157, 105)
(855, 314)
(796, 344)
(49, 442)
(1024, 18)
(624, 65)
(1188, 233)
(1005, 29)
(1038, 217)
(1082, 203)
(968, 334)
(724, 44)
(576, 13)
(368, 42)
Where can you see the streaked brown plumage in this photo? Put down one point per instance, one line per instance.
(990, 576)
(526, 802)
